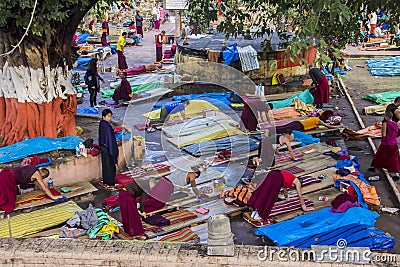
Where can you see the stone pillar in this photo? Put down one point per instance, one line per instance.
(220, 237)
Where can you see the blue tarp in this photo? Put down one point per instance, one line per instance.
(113, 48)
(83, 61)
(356, 235)
(90, 110)
(305, 226)
(387, 66)
(220, 100)
(304, 96)
(230, 54)
(305, 139)
(36, 146)
(82, 38)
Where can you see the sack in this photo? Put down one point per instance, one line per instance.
(281, 78)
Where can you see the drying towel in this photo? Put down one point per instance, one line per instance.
(183, 235)
(248, 58)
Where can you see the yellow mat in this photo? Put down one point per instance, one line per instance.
(36, 221)
(194, 108)
(214, 132)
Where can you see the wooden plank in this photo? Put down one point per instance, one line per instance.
(77, 189)
(281, 96)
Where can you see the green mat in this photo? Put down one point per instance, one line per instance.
(384, 97)
(135, 89)
(305, 96)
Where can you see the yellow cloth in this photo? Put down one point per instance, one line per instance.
(368, 191)
(310, 123)
(275, 79)
(376, 109)
(33, 222)
(221, 130)
(301, 107)
(121, 43)
(109, 229)
(194, 108)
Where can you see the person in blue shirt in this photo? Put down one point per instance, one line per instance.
(168, 109)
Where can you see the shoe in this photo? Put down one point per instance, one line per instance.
(371, 169)
(98, 106)
(139, 45)
(395, 178)
(257, 216)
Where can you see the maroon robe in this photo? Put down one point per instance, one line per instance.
(123, 91)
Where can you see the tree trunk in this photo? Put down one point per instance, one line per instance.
(36, 95)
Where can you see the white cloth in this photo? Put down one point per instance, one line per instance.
(248, 58)
(374, 18)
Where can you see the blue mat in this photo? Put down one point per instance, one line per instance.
(304, 96)
(83, 61)
(82, 38)
(387, 66)
(220, 100)
(36, 146)
(90, 110)
(356, 235)
(318, 222)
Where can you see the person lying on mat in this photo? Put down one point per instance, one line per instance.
(169, 109)
(29, 176)
(285, 139)
(181, 178)
(306, 125)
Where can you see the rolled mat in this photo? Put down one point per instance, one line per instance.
(36, 221)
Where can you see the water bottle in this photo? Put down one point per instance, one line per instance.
(50, 183)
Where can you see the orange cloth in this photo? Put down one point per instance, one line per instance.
(241, 193)
(368, 191)
(285, 113)
(310, 123)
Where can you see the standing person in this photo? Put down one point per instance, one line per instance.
(156, 17)
(321, 85)
(373, 19)
(159, 45)
(139, 23)
(104, 32)
(92, 80)
(394, 108)
(108, 149)
(123, 91)
(387, 155)
(122, 65)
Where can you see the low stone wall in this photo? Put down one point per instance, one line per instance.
(66, 252)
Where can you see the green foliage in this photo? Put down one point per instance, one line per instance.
(99, 8)
(15, 15)
(327, 24)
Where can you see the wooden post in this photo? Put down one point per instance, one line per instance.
(9, 225)
(178, 24)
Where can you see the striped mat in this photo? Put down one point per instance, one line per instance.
(174, 218)
(294, 170)
(286, 156)
(33, 196)
(183, 235)
(36, 221)
(289, 206)
(155, 170)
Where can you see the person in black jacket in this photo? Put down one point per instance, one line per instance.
(92, 78)
(139, 23)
